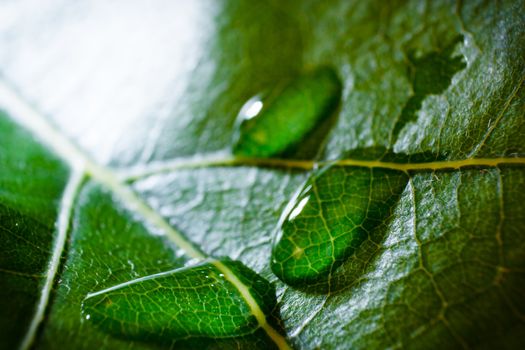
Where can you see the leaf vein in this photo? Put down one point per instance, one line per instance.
(64, 216)
(35, 122)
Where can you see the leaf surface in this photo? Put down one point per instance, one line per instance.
(113, 165)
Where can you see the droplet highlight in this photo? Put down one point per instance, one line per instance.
(336, 211)
(270, 123)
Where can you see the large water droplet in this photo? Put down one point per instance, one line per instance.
(328, 221)
(270, 123)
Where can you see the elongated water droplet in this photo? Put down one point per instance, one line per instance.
(191, 302)
(271, 123)
(336, 211)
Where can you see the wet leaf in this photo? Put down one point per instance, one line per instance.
(115, 156)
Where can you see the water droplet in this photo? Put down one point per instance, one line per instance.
(326, 223)
(269, 124)
(180, 304)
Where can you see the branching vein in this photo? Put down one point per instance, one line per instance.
(35, 122)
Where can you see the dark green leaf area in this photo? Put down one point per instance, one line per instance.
(430, 74)
(20, 278)
(31, 182)
(271, 123)
(192, 302)
(336, 212)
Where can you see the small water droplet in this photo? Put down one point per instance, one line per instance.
(88, 317)
(270, 123)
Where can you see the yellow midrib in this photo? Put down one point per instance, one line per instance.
(33, 121)
(225, 161)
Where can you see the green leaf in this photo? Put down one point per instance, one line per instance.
(114, 151)
(30, 187)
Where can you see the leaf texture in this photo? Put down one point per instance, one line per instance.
(114, 139)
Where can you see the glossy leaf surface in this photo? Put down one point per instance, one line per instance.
(114, 154)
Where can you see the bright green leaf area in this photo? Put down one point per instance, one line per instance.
(155, 90)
